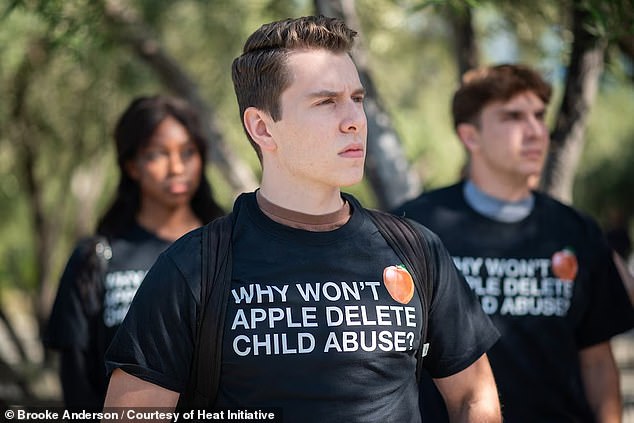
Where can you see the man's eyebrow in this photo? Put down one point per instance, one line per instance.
(510, 111)
(359, 91)
(520, 110)
(330, 93)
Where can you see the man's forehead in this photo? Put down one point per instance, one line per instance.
(323, 71)
(524, 101)
(321, 64)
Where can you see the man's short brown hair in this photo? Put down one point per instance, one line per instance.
(260, 74)
(494, 83)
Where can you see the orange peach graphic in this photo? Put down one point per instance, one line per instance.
(399, 283)
(565, 265)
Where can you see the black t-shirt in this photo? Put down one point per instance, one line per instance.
(71, 327)
(310, 327)
(549, 284)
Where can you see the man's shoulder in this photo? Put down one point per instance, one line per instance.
(421, 207)
(418, 227)
(186, 252)
(433, 197)
(563, 214)
(186, 246)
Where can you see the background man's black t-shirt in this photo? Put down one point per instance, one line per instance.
(545, 310)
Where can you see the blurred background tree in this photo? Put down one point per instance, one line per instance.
(69, 67)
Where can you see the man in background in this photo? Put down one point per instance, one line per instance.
(542, 270)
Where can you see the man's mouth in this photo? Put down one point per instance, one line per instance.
(353, 151)
(533, 154)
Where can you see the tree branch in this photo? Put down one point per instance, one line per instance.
(133, 32)
(567, 139)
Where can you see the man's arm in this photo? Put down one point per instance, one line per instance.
(471, 395)
(601, 381)
(127, 391)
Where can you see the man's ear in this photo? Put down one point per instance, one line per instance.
(257, 124)
(468, 134)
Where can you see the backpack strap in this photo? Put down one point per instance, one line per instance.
(413, 250)
(204, 378)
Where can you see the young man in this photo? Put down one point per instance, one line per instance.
(312, 328)
(541, 270)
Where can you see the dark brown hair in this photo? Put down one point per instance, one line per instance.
(260, 74)
(132, 133)
(494, 83)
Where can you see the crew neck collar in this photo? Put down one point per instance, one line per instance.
(495, 208)
(299, 220)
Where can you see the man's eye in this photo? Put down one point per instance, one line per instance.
(513, 116)
(326, 101)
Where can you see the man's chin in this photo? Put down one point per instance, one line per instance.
(353, 180)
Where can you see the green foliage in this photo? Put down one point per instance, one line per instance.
(605, 180)
(610, 19)
(81, 77)
(413, 69)
(66, 75)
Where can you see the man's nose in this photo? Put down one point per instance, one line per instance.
(354, 119)
(536, 126)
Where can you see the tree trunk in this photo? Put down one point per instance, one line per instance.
(26, 158)
(626, 45)
(464, 42)
(11, 377)
(12, 336)
(567, 139)
(386, 166)
(133, 32)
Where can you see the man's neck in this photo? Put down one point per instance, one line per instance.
(307, 222)
(308, 200)
(496, 208)
(504, 188)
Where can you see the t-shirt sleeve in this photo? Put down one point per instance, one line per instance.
(68, 325)
(609, 309)
(156, 339)
(459, 331)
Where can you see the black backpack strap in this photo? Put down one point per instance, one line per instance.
(413, 250)
(204, 378)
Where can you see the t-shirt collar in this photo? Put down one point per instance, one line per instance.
(495, 208)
